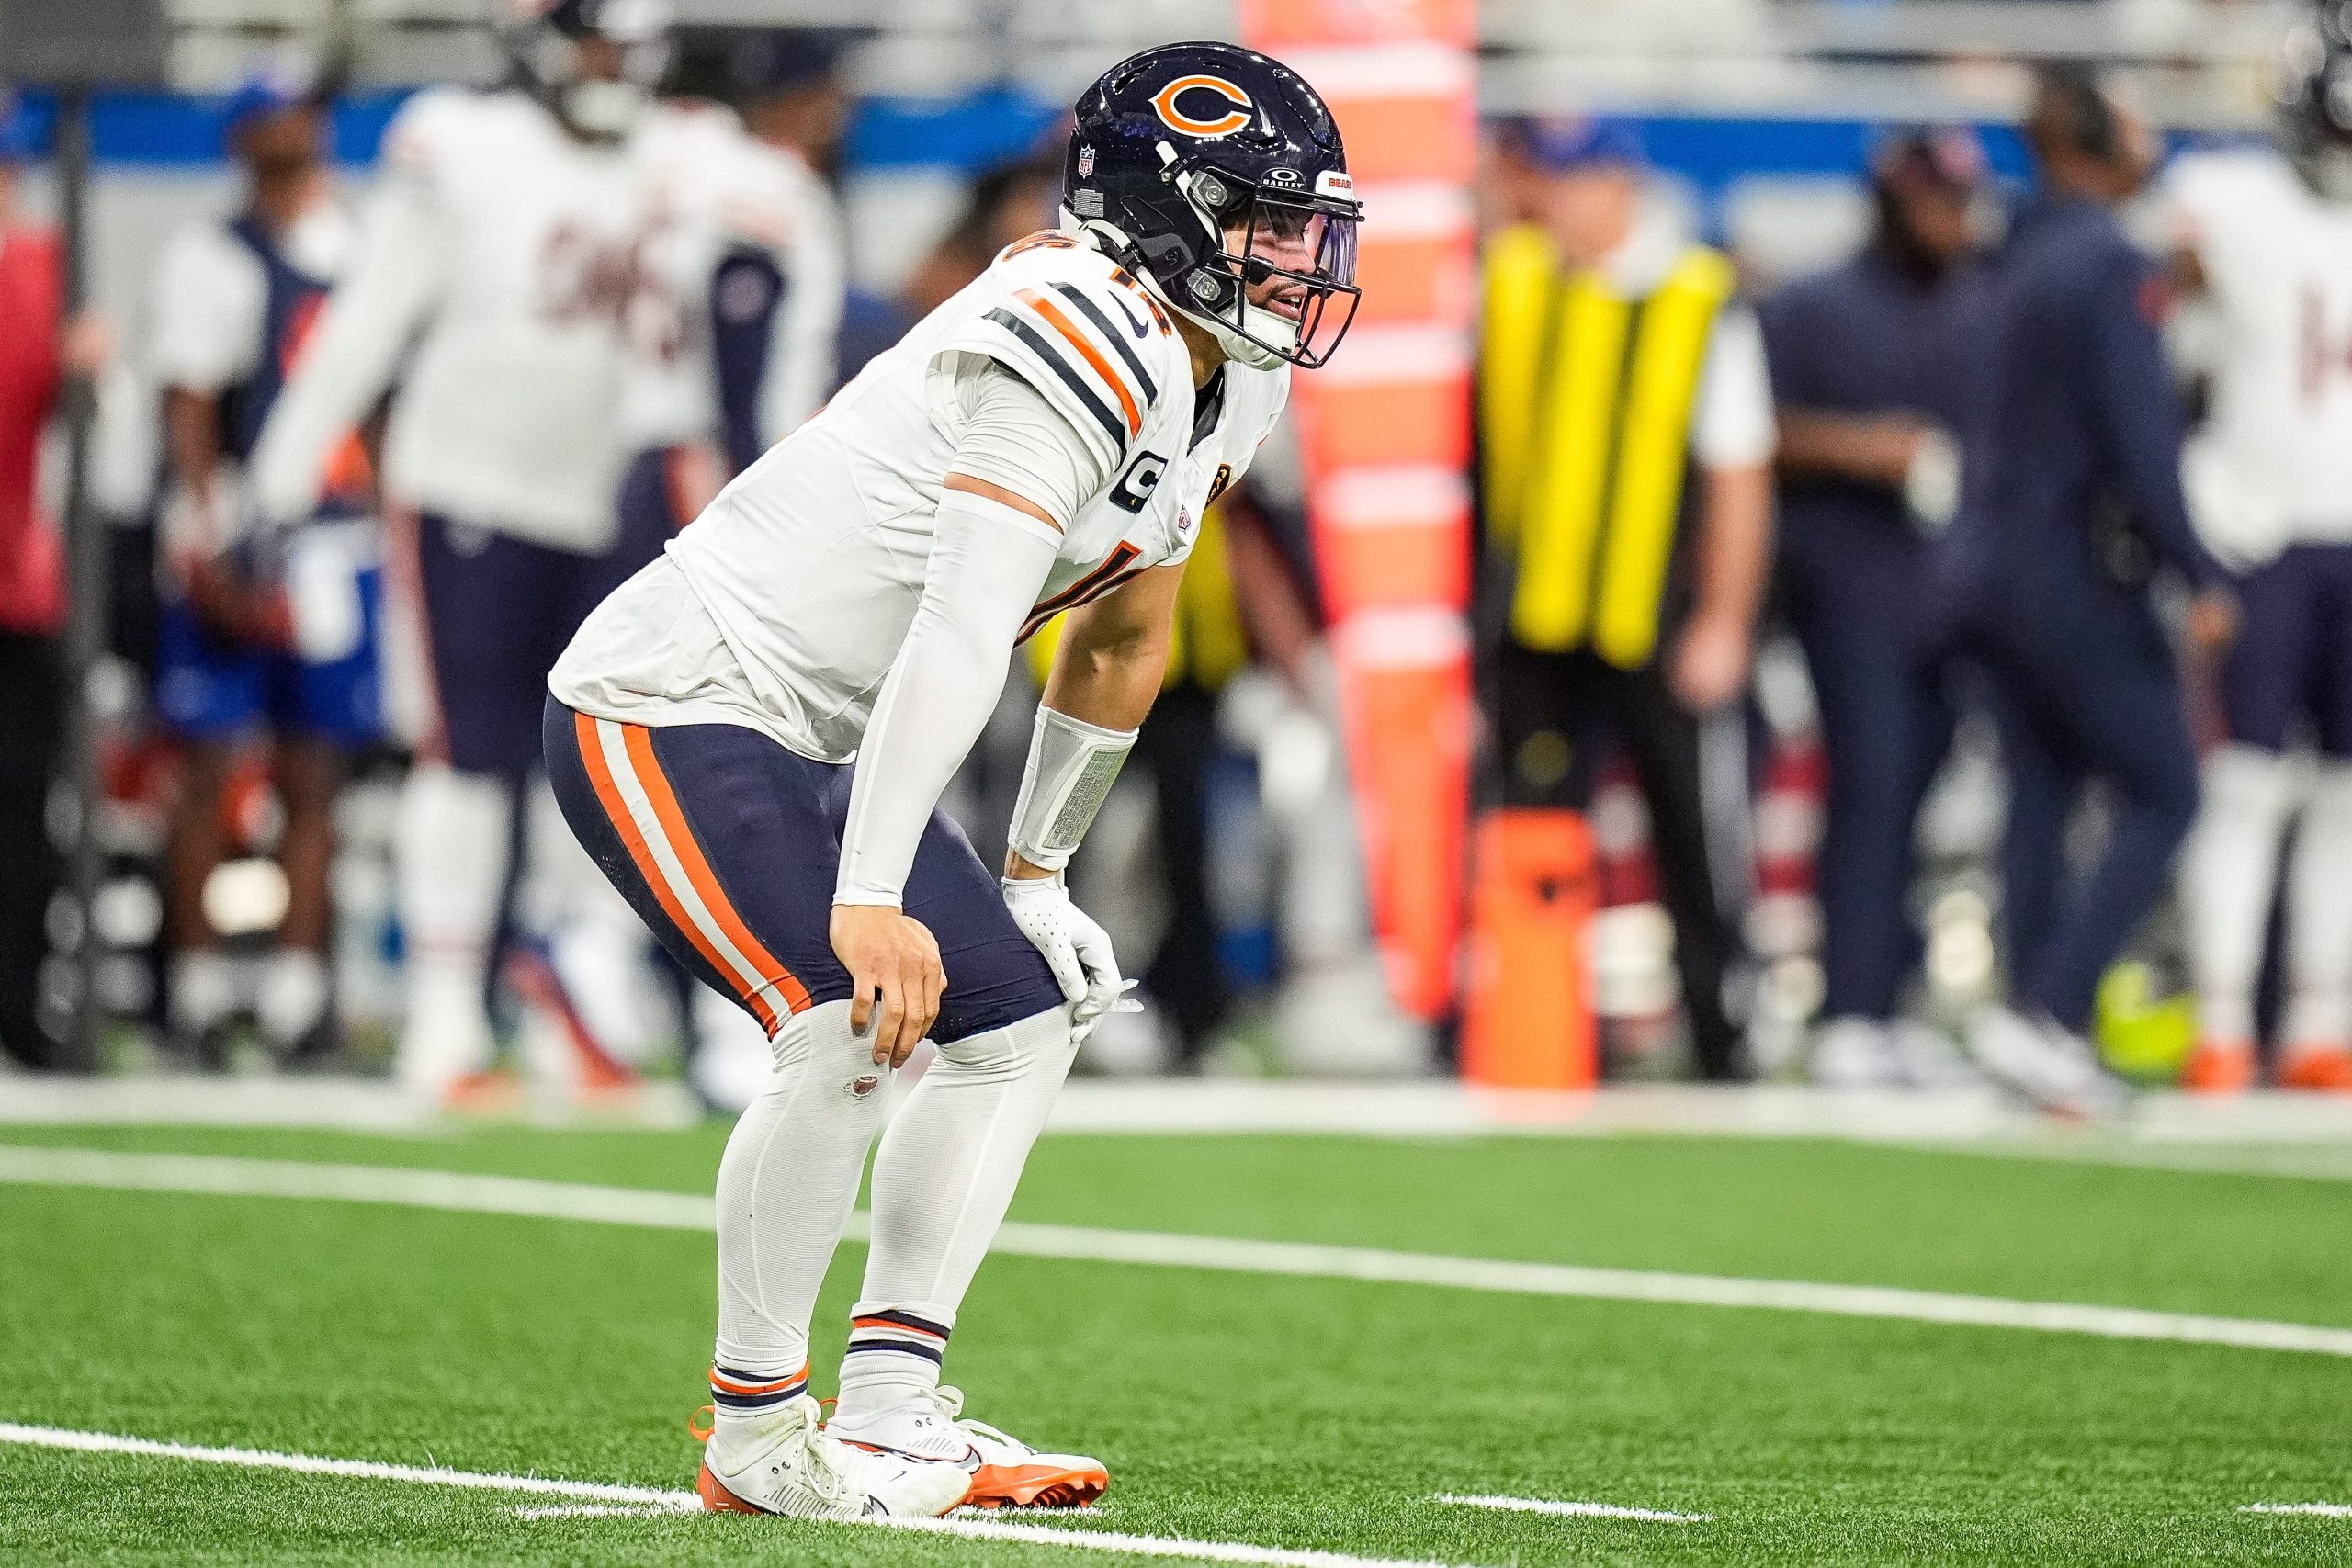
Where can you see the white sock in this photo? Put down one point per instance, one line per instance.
(293, 998)
(451, 853)
(786, 1186)
(2319, 916)
(2229, 869)
(204, 990)
(943, 1179)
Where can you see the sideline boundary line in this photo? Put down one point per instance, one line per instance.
(526, 1198)
(607, 1499)
(2323, 1510)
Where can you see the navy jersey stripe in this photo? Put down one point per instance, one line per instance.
(1104, 415)
(1118, 339)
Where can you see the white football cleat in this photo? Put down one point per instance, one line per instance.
(1854, 1053)
(2053, 1068)
(1006, 1472)
(1926, 1057)
(787, 1464)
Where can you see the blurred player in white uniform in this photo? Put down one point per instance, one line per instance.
(1044, 441)
(731, 341)
(501, 252)
(292, 663)
(2265, 248)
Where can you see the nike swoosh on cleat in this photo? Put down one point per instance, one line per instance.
(969, 1459)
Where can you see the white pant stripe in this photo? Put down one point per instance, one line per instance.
(665, 856)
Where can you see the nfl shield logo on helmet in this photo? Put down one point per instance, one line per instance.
(1085, 163)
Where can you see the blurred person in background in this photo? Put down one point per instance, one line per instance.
(2073, 506)
(39, 358)
(234, 305)
(1239, 595)
(501, 253)
(1008, 203)
(2264, 259)
(1626, 443)
(731, 344)
(1876, 367)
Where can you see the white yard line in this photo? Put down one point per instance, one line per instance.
(1573, 1510)
(355, 1469)
(597, 1511)
(607, 1499)
(2324, 1510)
(673, 1211)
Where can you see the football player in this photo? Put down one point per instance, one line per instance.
(501, 252)
(235, 302)
(1044, 441)
(731, 345)
(2264, 237)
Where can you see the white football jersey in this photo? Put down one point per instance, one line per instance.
(718, 190)
(504, 250)
(2274, 457)
(811, 563)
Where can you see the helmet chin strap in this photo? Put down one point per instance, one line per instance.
(1231, 343)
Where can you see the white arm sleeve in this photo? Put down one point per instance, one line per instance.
(209, 298)
(988, 562)
(804, 338)
(1732, 425)
(368, 323)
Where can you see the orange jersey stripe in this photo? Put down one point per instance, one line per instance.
(649, 777)
(1062, 324)
(608, 795)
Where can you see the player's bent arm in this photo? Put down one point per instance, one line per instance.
(1113, 657)
(368, 324)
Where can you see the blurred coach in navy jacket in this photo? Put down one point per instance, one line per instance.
(1877, 366)
(2073, 508)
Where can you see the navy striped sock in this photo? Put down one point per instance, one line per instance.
(891, 1354)
(734, 1392)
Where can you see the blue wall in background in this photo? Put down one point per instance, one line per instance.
(990, 127)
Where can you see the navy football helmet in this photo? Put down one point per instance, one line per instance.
(1212, 172)
(2315, 100)
(547, 42)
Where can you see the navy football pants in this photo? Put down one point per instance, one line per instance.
(726, 845)
(2073, 710)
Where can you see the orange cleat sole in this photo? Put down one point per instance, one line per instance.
(2217, 1069)
(2324, 1071)
(1037, 1486)
(716, 1499)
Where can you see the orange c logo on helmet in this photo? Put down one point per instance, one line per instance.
(1225, 124)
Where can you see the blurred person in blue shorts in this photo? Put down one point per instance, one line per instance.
(282, 650)
(1876, 367)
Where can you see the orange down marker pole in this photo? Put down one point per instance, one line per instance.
(1386, 435)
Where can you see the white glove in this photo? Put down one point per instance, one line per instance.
(1075, 947)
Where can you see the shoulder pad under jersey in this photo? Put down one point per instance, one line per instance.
(1082, 330)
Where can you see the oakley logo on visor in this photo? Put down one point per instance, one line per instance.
(1238, 106)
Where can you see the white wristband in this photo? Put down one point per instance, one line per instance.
(1071, 766)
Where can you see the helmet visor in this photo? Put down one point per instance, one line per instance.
(1298, 263)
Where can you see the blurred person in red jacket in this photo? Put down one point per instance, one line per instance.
(37, 357)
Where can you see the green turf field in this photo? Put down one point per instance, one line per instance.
(1292, 1413)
